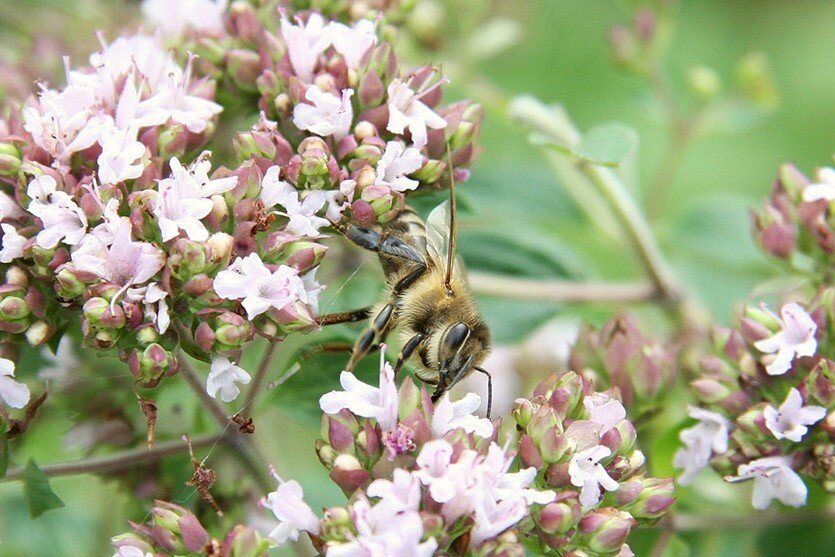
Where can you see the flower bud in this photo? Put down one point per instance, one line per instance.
(604, 530)
(327, 455)
(505, 544)
(39, 332)
(704, 82)
(244, 67)
(13, 308)
(337, 525)
(654, 500)
(69, 284)
(244, 541)
(348, 473)
(173, 141)
(9, 159)
(558, 517)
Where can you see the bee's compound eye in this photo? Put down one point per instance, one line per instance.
(456, 335)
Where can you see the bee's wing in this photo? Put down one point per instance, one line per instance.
(437, 236)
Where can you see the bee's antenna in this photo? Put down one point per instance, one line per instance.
(489, 389)
(453, 218)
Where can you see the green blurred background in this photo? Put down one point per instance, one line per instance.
(513, 200)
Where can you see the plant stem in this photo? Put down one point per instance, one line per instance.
(116, 462)
(662, 543)
(698, 522)
(560, 290)
(260, 373)
(245, 450)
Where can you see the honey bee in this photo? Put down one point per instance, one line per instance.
(426, 298)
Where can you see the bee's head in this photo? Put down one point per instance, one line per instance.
(462, 348)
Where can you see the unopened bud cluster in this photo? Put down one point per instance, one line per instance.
(621, 356)
(797, 222)
(173, 530)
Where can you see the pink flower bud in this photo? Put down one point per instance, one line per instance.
(348, 473)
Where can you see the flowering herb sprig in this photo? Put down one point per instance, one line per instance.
(424, 478)
(766, 397)
(114, 219)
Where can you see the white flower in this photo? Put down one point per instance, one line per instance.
(62, 220)
(175, 18)
(131, 551)
(339, 200)
(152, 298)
(261, 289)
(183, 199)
(224, 378)
(138, 53)
(12, 244)
(588, 474)
(293, 514)
(353, 42)
(303, 220)
(434, 461)
(328, 115)
(708, 436)
(14, 394)
(124, 262)
(61, 363)
(41, 187)
(604, 410)
(494, 517)
(824, 188)
(384, 533)
(795, 338)
(395, 164)
(773, 479)
(274, 191)
(305, 42)
(406, 111)
(121, 156)
(365, 400)
(791, 419)
(452, 415)
(510, 485)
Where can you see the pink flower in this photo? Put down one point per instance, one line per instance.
(395, 164)
(773, 479)
(152, 298)
(365, 400)
(328, 115)
(14, 394)
(791, 419)
(248, 279)
(175, 18)
(305, 43)
(795, 338)
(453, 415)
(494, 517)
(353, 42)
(9, 209)
(401, 493)
(63, 122)
(303, 220)
(434, 462)
(124, 262)
(708, 436)
(224, 378)
(406, 111)
(293, 514)
(175, 102)
(589, 475)
(62, 220)
(604, 410)
(274, 190)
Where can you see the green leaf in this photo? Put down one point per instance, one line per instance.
(39, 495)
(606, 144)
(298, 390)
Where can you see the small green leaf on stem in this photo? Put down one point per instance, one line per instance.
(607, 144)
(39, 495)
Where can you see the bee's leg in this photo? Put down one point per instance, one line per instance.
(371, 336)
(310, 351)
(344, 317)
(408, 349)
(389, 245)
